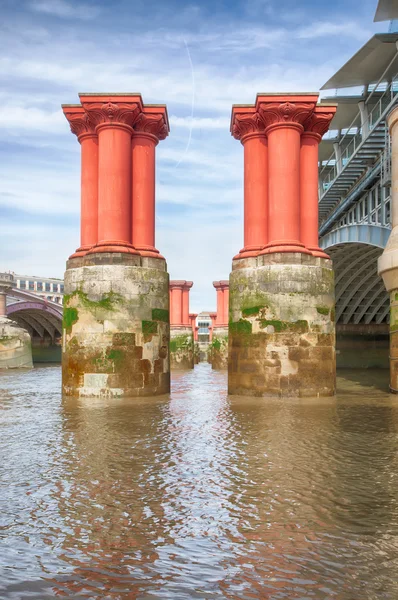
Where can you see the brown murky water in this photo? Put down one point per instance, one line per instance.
(198, 495)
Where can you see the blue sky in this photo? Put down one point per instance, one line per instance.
(197, 57)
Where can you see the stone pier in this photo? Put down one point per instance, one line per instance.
(219, 342)
(15, 342)
(388, 261)
(281, 314)
(181, 330)
(116, 306)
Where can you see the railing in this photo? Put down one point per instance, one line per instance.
(373, 208)
(355, 136)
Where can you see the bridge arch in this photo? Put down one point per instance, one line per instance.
(361, 297)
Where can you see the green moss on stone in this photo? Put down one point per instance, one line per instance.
(300, 326)
(116, 355)
(240, 327)
(149, 327)
(251, 310)
(181, 343)
(70, 317)
(159, 314)
(323, 310)
(107, 301)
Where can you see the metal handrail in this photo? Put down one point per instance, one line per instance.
(378, 111)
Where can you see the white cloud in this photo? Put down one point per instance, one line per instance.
(63, 9)
(323, 29)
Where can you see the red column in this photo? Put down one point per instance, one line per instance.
(176, 288)
(113, 116)
(213, 317)
(226, 302)
(185, 302)
(220, 303)
(88, 139)
(192, 319)
(316, 126)
(249, 129)
(150, 127)
(283, 116)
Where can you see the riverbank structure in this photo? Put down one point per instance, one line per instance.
(281, 324)
(116, 329)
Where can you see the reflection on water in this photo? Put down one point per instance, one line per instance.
(198, 495)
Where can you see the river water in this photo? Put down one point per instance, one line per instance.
(198, 495)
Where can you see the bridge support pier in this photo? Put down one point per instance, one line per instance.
(15, 342)
(116, 329)
(388, 261)
(281, 315)
(182, 347)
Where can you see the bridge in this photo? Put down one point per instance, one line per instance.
(355, 184)
(40, 317)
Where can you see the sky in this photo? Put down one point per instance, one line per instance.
(197, 57)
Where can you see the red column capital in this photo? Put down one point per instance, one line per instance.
(285, 110)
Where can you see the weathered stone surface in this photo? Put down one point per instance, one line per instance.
(116, 327)
(181, 347)
(281, 330)
(15, 346)
(218, 349)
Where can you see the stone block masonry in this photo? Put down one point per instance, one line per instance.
(218, 348)
(281, 330)
(116, 326)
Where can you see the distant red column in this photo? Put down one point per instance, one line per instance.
(222, 289)
(113, 116)
(314, 128)
(213, 317)
(249, 129)
(192, 318)
(176, 287)
(85, 131)
(185, 302)
(284, 116)
(150, 127)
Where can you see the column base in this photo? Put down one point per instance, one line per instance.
(282, 332)
(316, 251)
(181, 347)
(15, 346)
(82, 251)
(248, 251)
(284, 246)
(113, 246)
(218, 348)
(116, 326)
(148, 251)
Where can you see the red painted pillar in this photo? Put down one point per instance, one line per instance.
(150, 127)
(249, 129)
(316, 126)
(226, 302)
(192, 319)
(88, 139)
(176, 288)
(185, 302)
(113, 117)
(213, 317)
(283, 117)
(220, 303)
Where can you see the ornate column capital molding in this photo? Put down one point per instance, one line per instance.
(246, 123)
(177, 284)
(152, 124)
(78, 120)
(317, 124)
(284, 110)
(117, 109)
